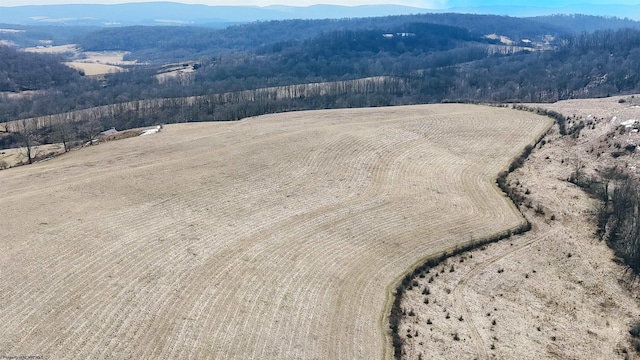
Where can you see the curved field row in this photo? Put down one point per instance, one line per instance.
(274, 237)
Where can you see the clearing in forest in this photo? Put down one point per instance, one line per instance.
(275, 237)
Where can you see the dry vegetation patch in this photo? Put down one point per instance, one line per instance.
(91, 63)
(93, 69)
(553, 292)
(58, 49)
(17, 156)
(275, 237)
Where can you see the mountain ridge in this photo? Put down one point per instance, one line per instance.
(162, 13)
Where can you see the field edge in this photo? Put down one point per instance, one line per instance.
(393, 295)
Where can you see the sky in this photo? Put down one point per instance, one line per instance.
(427, 4)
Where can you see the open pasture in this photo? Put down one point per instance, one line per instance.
(91, 63)
(276, 237)
(93, 69)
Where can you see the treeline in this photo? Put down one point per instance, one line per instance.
(33, 35)
(620, 41)
(618, 220)
(580, 68)
(436, 62)
(88, 123)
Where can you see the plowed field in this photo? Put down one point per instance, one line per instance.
(278, 237)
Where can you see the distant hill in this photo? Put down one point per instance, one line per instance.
(621, 11)
(168, 13)
(171, 13)
(177, 43)
(586, 23)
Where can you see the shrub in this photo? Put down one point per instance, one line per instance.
(635, 330)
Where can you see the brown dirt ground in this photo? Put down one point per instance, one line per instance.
(278, 237)
(17, 156)
(554, 292)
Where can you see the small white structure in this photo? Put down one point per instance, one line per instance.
(151, 131)
(631, 123)
(111, 131)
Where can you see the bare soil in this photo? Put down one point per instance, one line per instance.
(278, 237)
(17, 156)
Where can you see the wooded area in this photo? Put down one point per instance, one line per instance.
(422, 58)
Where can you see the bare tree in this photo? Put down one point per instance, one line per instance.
(577, 176)
(64, 134)
(90, 131)
(27, 130)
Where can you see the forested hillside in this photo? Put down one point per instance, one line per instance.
(169, 43)
(423, 59)
(20, 71)
(576, 23)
